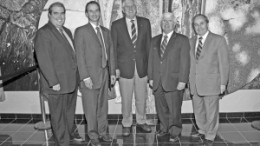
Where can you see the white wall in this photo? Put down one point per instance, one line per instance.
(28, 102)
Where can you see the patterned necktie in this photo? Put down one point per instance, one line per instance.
(104, 55)
(199, 48)
(134, 36)
(163, 45)
(66, 38)
(61, 32)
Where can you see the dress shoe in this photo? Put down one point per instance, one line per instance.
(174, 138)
(208, 142)
(144, 128)
(106, 138)
(95, 142)
(126, 131)
(161, 133)
(77, 138)
(198, 135)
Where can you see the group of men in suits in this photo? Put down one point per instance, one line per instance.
(202, 63)
(168, 63)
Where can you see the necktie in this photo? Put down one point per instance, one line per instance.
(104, 55)
(66, 38)
(134, 36)
(61, 32)
(163, 45)
(199, 48)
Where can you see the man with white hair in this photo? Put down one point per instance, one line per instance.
(131, 38)
(168, 73)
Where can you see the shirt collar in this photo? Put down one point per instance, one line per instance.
(94, 25)
(204, 36)
(169, 35)
(129, 20)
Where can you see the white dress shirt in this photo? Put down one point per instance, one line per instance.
(129, 24)
(169, 35)
(203, 40)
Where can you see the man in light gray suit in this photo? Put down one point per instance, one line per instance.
(209, 73)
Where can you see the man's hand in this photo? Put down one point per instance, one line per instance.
(113, 79)
(222, 89)
(117, 73)
(88, 83)
(56, 87)
(181, 86)
(151, 83)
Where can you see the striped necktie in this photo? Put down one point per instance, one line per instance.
(163, 45)
(199, 48)
(134, 36)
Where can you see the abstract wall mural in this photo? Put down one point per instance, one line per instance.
(237, 20)
(18, 25)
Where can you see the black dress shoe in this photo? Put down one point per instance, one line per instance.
(208, 142)
(95, 142)
(106, 138)
(144, 128)
(174, 138)
(161, 133)
(126, 131)
(77, 138)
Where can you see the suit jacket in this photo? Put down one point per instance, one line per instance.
(175, 64)
(125, 53)
(89, 54)
(56, 59)
(212, 68)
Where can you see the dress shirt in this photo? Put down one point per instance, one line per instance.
(129, 24)
(203, 40)
(169, 35)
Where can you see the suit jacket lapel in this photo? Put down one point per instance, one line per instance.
(125, 30)
(61, 38)
(105, 38)
(93, 32)
(206, 45)
(139, 28)
(193, 44)
(158, 45)
(170, 45)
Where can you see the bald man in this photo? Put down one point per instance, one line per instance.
(168, 73)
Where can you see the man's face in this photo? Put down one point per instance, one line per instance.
(57, 16)
(200, 25)
(129, 9)
(93, 13)
(167, 24)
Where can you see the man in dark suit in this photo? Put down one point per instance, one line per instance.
(208, 77)
(58, 74)
(131, 38)
(95, 53)
(168, 73)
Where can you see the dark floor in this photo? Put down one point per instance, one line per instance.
(232, 131)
